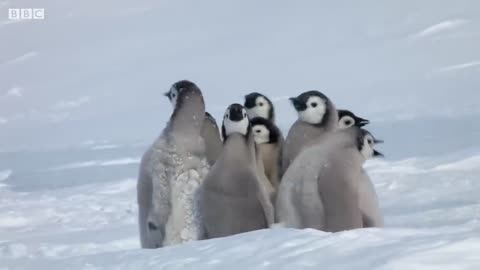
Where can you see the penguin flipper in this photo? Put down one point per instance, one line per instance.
(154, 166)
(144, 200)
(265, 199)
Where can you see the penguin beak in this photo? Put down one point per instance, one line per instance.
(362, 122)
(167, 94)
(296, 104)
(377, 154)
(377, 141)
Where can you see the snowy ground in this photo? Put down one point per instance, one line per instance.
(81, 98)
(432, 210)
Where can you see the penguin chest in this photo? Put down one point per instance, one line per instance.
(270, 155)
(184, 223)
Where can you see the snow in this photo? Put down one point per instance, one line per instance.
(432, 222)
(468, 164)
(14, 92)
(440, 27)
(5, 174)
(81, 99)
(459, 67)
(94, 163)
(105, 147)
(9, 222)
(22, 58)
(71, 103)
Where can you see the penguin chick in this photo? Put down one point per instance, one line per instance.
(321, 188)
(258, 105)
(316, 116)
(171, 172)
(347, 119)
(269, 147)
(233, 199)
(368, 200)
(211, 136)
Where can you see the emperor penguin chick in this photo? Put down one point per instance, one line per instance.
(171, 173)
(233, 199)
(259, 105)
(316, 116)
(269, 147)
(368, 199)
(320, 189)
(211, 136)
(347, 119)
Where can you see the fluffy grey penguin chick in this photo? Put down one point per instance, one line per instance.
(269, 148)
(316, 116)
(171, 173)
(372, 215)
(321, 188)
(259, 105)
(348, 119)
(211, 136)
(233, 199)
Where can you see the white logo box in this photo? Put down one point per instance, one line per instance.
(26, 13)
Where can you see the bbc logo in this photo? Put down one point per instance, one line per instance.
(26, 13)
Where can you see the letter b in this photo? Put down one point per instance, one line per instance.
(13, 13)
(26, 14)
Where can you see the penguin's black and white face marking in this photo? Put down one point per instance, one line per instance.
(172, 96)
(258, 105)
(367, 142)
(264, 131)
(311, 107)
(346, 122)
(347, 119)
(235, 120)
(261, 134)
(176, 89)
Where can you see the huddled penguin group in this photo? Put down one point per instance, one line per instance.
(198, 181)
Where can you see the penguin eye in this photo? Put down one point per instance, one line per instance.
(258, 131)
(348, 122)
(174, 95)
(369, 141)
(260, 104)
(244, 115)
(313, 104)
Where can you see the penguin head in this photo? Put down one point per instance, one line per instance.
(366, 142)
(178, 90)
(312, 107)
(258, 105)
(347, 119)
(235, 120)
(264, 131)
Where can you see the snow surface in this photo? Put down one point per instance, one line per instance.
(93, 163)
(5, 174)
(81, 99)
(432, 214)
